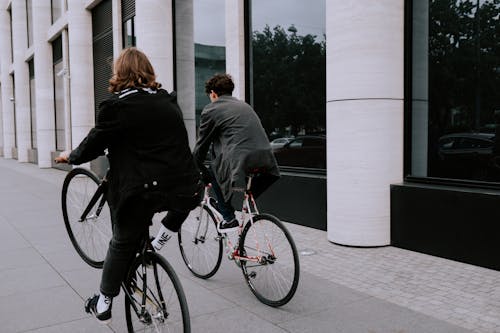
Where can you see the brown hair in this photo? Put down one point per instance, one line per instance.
(132, 69)
(221, 84)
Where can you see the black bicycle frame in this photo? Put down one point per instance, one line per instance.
(100, 191)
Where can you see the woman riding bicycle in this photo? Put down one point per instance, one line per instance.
(151, 168)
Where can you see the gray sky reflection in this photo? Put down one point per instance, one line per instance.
(307, 16)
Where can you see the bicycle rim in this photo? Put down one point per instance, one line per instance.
(166, 308)
(275, 278)
(200, 243)
(91, 236)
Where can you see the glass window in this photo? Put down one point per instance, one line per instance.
(31, 65)
(288, 70)
(455, 109)
(56, 6)
(11, 40)
(60, 116)
(209, 47)
(128, 23)
(129, 33)
(29, 21)
(12, 79)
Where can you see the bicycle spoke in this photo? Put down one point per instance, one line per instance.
(91, 236)
(274, 278)
(201, 248)
(161, 291)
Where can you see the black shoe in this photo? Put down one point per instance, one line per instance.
(225, 226)
(91, 307)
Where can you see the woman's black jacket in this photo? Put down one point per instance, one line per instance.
(148, 150)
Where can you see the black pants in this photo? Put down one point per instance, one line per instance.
(130, 228)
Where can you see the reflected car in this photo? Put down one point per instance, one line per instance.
(467, 156)
(308, 151)
(279, 142)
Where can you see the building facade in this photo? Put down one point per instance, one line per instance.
(382, 115)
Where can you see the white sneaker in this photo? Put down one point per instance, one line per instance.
(163, 236)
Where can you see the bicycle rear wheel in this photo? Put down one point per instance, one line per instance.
(273, 272)
(91, 236)
(200, 243)
(166, 308)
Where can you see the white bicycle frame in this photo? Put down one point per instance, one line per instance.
(248, 211)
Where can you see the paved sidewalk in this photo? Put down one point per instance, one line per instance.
(342, 289)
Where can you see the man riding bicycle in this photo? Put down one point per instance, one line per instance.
(239, 145)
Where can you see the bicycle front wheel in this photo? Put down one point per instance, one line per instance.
(157, 302)
(271, 268)
(91, 236)
(200, 243)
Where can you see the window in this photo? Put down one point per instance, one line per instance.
(57, 9)
(31, 65)
(455, 104)
(128, 23)
(12, 79)
(11, 40)
(29, 21)
(288, 71)
(209, 47)
(58, 66)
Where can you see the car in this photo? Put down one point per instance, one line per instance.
(279, 142)
(467, 155)
(307, 151)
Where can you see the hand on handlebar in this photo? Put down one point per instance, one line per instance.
(63, 157)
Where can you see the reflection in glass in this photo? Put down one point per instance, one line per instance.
(60, 116)
(56, 6)
(13, 81)
(29, 21)
(459, 40)
(289, 78)
(209, 47)
(129, 33)
(59, 105)
(32, 103)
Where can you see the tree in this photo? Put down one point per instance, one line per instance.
(289, 80)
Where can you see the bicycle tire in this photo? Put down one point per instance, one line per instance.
(174, 317)
(200, 243)
(90, 238)
(270, 285)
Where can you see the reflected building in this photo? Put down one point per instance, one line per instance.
(208, 60)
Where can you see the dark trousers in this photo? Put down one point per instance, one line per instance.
(129, 229)
(224, 207)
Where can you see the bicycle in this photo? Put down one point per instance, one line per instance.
(154, 297)
(265, 250)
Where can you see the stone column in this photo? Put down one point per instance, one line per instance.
(44, 83)
(21, 78)
(117, 27)
(7, 89)
(185, 65)
(81, 70)
(365, 70)
(154, 30)
(235, 45)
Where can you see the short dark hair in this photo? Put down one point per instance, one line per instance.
(221, 84)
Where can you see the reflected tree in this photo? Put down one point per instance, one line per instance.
(289, 81)
(464, 64)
